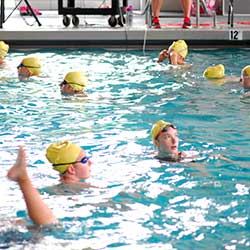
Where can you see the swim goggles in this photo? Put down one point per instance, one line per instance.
(165, 129)
(84, 160)
(71, 83)
(21, 65)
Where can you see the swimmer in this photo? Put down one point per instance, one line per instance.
(245, 80)
(245, 77)
(38, 211)
(165, 138)
(216, 74)
(4, 49)
(176, 53)
(30, 66)
(74, 84)
(70, 161)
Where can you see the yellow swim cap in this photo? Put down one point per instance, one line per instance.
(157, 128)
(77, 80)
(64, 153)
(33, 64)
(4, 48)
(245, 71)
(180, 47)
(214, 72)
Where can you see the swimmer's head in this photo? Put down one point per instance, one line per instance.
(180, 47)
(33, 64)
(158, 127)
(62, 155)
(4, 48)
(245, 71)
(214, 72)
(77, 80)
(245, 77)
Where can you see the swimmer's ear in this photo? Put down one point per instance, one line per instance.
(157, 144)
(71, 169)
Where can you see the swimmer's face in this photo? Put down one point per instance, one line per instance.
(168, 142)
(246, 81)
(175, 58)
(82, 167)
(180, 60)
(23, 72)
(66, 89)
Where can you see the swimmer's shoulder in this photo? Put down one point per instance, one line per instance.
(189, 156)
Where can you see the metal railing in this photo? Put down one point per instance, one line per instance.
(197, 13)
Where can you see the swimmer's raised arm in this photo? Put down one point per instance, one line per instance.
(38, 211)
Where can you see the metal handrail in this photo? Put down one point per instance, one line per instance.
(197, 13)
(146, 11)
(231, 13)
(146, 8)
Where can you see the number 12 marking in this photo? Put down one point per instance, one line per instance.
(235, 35)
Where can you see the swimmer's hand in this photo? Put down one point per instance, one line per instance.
(162, 56)
(221, 157)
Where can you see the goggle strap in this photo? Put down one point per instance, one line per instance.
(63, 164)
(73, 83)
(69, 163)
(27, 66)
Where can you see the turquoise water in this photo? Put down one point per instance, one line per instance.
(146, 204)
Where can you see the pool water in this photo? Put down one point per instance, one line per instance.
(144, 204)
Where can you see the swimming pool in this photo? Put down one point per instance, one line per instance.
(147, 204)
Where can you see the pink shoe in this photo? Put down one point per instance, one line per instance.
(37, 12)
(23, 10)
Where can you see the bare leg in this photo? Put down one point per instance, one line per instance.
(156, 7)
(38, 211)
(186, 7)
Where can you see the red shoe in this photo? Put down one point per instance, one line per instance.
(156, 23)
(187, 23)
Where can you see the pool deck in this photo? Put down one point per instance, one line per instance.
(94, 31)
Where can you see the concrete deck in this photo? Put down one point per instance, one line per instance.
(94, 31)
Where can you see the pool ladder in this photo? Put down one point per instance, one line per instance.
(146, 11)
(203, 4)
